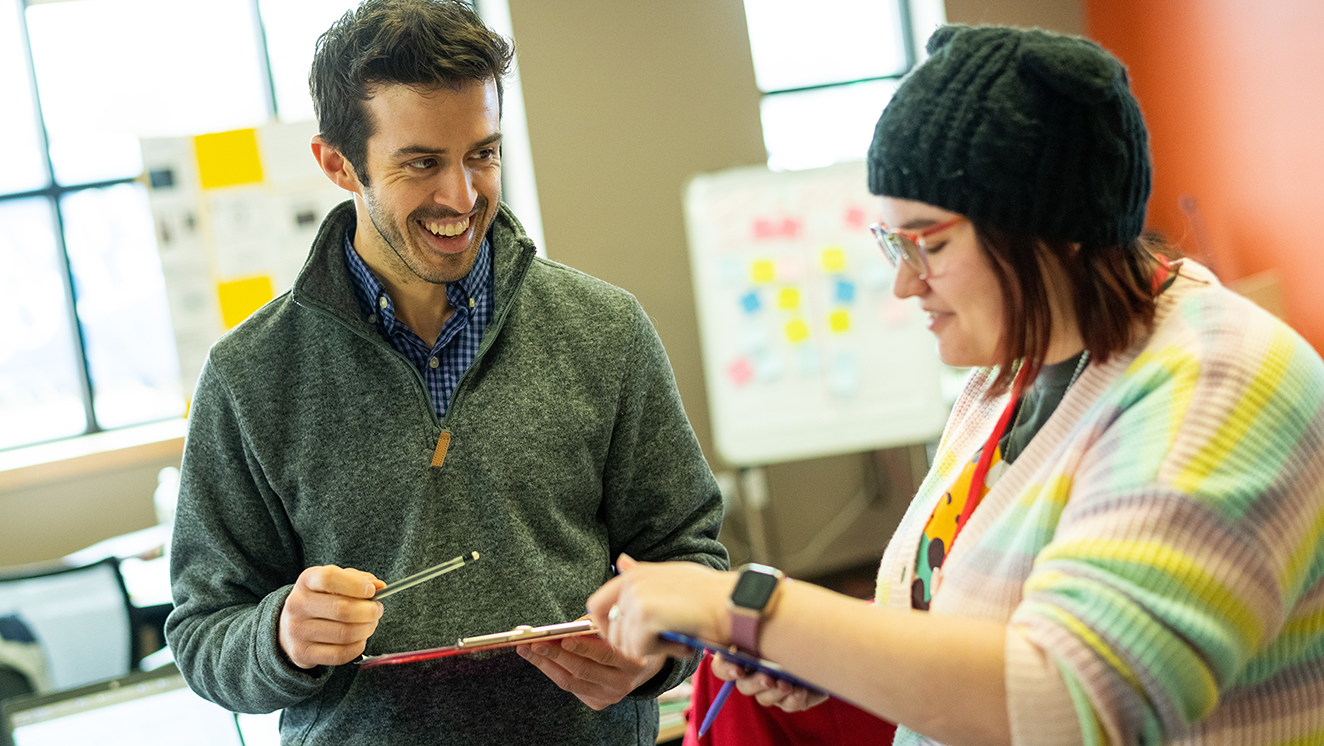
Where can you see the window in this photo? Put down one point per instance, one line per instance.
(826, 74)
(87, 343)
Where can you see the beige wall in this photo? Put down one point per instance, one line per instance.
(1066, 16)
(50, 510)
(625, 102)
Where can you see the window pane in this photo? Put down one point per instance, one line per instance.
(111, 71)
(292, 28)
(836, 42)
(40, 390)
(25, 168)
(111, 241)
(808, 129)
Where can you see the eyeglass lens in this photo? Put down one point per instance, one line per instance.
(898, 247)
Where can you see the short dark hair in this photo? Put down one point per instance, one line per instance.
(424, 43)
(1111, 287)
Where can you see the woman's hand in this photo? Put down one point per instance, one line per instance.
(766, 690)
(646, 598)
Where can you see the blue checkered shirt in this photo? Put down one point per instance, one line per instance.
(457, 345)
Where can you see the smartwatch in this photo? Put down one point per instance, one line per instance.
(754, 589)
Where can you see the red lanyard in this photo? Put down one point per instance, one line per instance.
(1161, 273)
(976, 493)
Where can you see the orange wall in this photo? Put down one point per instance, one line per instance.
(1233, 91)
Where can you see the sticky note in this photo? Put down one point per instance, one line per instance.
(754, 339)
(797, 331)
(740, 371)
(845, 291)
(762, 271)
(807, 362)
(791, 268)
(240, 298)
(750, 302)
(228, 158)
(839, 321)
(834, 259)
(767, 367)
(844, 378)
(788, 299)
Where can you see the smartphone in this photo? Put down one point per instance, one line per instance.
(744, 660)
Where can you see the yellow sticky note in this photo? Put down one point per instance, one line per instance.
(762, 271)
(834, 259)
(797, 331)
(839, 321)
(240, 298)
(788, 299)
(228, 158)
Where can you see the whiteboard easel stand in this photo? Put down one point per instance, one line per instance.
(753, 494)
(890, 473)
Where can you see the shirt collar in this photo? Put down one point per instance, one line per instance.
(464, 294)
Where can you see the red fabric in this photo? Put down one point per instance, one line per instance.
(744, 721)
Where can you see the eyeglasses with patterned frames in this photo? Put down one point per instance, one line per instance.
(909, 245)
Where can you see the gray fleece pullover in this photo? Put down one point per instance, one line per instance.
(311, 442)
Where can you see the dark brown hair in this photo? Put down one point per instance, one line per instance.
(1111, 289)
(425, 43)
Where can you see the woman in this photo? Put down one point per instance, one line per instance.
(1120, 538)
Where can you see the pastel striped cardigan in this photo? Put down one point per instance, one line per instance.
(1158, 549)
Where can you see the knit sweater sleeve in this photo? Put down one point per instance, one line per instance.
(231, 543)
(1189, 530)
(660, 499)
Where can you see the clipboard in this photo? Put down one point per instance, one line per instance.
(744, 660)
(480, 643)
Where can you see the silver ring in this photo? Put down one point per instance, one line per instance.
(614, 614)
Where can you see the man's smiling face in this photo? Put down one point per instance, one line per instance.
(434, 168)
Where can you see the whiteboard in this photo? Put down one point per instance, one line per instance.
(806, 351)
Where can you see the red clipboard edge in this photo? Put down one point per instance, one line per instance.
(535, 634)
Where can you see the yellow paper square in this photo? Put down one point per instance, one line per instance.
(839, 321)
(762, 271)
(797, 331)
(834, 259)
(228, 158)
(240, 298)
(788, 299)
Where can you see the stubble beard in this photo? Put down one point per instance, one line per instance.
(399, 243)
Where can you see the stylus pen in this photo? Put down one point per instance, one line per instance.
(426, 575)
(716, 706)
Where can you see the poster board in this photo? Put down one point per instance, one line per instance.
(806, 351)
(236, 213)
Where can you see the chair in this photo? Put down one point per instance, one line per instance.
(80, 617)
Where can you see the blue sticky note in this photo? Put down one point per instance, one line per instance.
(750, 302)
(845, 291)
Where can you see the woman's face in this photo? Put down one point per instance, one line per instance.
(961, 294)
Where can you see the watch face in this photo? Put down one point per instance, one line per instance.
(753, 590)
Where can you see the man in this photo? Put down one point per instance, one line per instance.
(428, 388)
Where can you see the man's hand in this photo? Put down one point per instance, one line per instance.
(591, 669)
(329, 616)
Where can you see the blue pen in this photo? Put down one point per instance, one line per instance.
(716, 706)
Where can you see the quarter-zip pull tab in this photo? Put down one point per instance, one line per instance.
(443, 444)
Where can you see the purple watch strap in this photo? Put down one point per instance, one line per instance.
(745, 632)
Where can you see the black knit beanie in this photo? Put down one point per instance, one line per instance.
(1025, 130)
